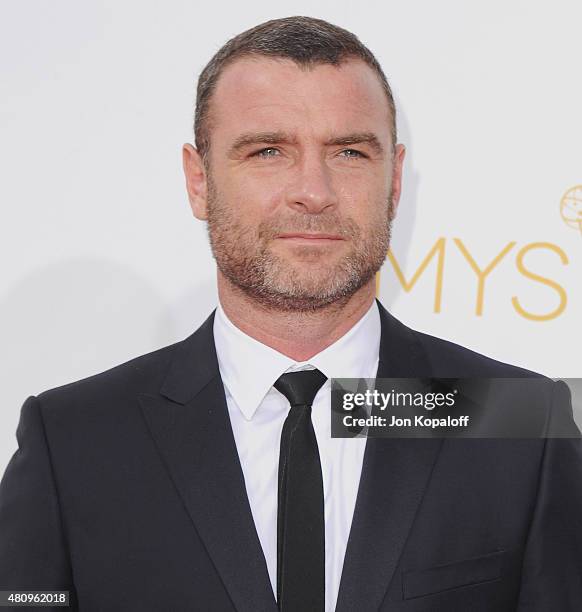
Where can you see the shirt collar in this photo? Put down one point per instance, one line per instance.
(249, 368)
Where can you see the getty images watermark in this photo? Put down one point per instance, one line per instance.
(392, 399)
(456, 407)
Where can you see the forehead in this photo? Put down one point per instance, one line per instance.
(259, 93)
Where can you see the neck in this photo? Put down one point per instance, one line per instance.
(299, 335)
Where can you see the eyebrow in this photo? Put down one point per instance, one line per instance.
(253, 138)
(272, 138)
(368, 138)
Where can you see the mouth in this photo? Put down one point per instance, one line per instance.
(310, 238)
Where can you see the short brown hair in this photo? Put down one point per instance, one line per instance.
(305, 40)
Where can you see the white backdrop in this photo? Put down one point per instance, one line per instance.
(103, 261)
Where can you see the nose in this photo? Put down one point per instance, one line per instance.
(311, 189)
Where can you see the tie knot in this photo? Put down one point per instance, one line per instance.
(300, 388)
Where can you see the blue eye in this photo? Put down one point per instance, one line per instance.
(352, 153)
(268, 152)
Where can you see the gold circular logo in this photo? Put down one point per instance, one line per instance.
(571, 208)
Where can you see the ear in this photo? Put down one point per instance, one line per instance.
(397, 164)
(196, 185)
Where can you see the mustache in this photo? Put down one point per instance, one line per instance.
(308, 223)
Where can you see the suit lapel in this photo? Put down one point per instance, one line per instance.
(191, 427)
(395, 474)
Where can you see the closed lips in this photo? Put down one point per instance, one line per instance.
(312, 236)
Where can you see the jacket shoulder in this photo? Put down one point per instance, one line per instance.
(425, 355)
(450, 359)
(143, 373)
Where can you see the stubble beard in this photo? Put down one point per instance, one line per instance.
(244, 256)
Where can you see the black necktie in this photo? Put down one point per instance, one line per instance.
(300, 519)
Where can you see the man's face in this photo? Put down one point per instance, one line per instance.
(300, 181)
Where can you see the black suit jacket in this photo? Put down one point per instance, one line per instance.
(127, 490)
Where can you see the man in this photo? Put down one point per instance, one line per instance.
(202, 476)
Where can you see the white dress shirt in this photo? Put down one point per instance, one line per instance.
(257, 412)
